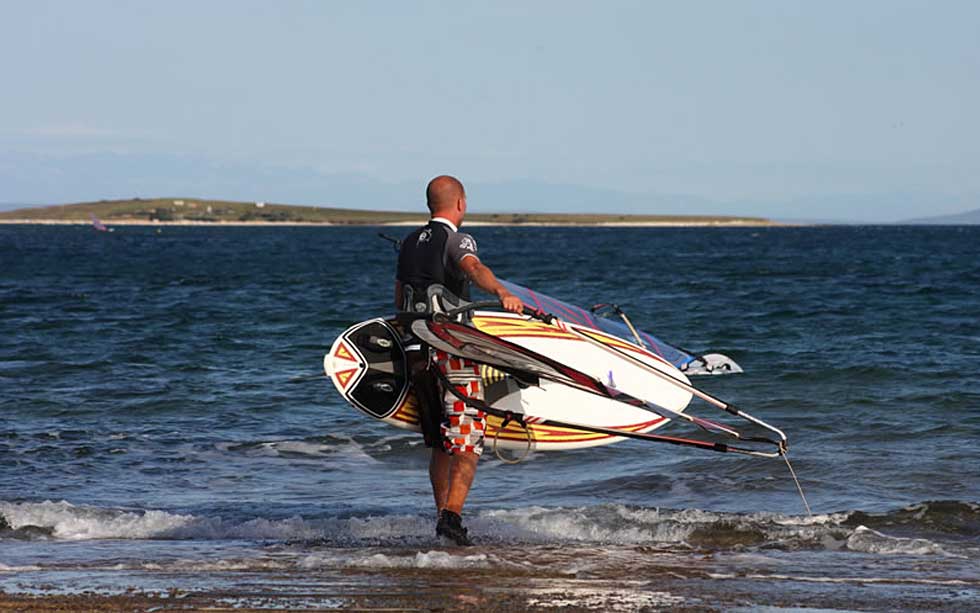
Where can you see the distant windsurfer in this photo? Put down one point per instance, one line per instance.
(439, 254)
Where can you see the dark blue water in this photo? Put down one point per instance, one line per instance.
(152, 390)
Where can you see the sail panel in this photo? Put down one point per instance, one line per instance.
(577, 315)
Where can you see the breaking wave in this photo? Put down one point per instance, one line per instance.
(928, 528)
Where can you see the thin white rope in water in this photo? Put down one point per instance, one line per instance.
(797, 481)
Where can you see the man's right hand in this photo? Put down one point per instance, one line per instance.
(512, 303)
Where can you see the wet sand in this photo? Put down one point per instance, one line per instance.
(244, 603)
(656, 587)
(485, 601)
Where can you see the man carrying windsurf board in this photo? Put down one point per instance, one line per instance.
(438, 254)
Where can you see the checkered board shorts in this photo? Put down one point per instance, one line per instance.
(462, 425)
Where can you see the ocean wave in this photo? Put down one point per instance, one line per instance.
(4, 568)
(294, 559)
(894, 532)
(420, 559)
(204, 566)
(63, 520)
(866, 540)
(313, 448)
(938, 516)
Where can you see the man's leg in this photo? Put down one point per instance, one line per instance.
(451, 477)
(430, 402)
(439, 468)
(462, 468)
(460, 480)
(462, 434)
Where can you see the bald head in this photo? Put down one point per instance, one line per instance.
(443, 193)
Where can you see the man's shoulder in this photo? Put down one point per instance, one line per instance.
(466, 241)
(460, 245)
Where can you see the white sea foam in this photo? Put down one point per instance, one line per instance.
(565, 525)
(602, 599)
(346, 448)
(844, 580)
(426, 559)
(301, 448)
(253, 529)
(386, 527)
(626, 525)
(867, 540)
(79, 522)
(4, 568)
(207, 566)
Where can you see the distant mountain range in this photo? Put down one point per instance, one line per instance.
(967, 218)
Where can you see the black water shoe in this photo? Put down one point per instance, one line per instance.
(451, 526)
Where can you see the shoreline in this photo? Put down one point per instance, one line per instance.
(470, 224)
(393, 598)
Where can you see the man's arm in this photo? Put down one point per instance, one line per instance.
(484, 278)
(398, 294)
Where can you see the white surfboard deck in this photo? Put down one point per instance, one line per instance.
(347, 365)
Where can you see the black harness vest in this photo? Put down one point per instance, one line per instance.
(424, 261)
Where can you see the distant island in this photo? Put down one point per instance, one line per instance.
(958, 219)
(201, 211)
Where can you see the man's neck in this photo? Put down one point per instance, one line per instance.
(447, 222)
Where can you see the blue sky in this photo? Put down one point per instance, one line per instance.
(825, 110)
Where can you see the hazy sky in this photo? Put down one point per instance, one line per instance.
(746, 107)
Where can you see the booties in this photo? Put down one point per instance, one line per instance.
(450, 525)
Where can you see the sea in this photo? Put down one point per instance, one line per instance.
(165, 425)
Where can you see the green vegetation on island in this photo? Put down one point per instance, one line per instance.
(225, 211)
